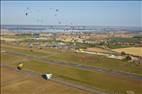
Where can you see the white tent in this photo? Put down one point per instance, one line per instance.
(47, 76)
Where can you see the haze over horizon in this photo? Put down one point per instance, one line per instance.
(96, 13)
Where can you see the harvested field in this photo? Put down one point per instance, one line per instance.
(131, 50)
(8, 39)
(10, 59)
(14, 82)
(73, 74)
(95, 49)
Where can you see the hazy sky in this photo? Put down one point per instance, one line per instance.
(108, 13)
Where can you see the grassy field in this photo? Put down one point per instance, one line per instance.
(9, 58)
(106, 82)
(131, 50)
(79, 58)
(18, 83)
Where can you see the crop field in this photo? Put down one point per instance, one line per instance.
(131, 50)
(110, 82)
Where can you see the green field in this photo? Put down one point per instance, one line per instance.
(133, 40)
(79, 58)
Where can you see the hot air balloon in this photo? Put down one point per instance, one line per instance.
(57, 10)
(27, 11)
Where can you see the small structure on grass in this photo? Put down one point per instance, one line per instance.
(20, 66)
(46, 76)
